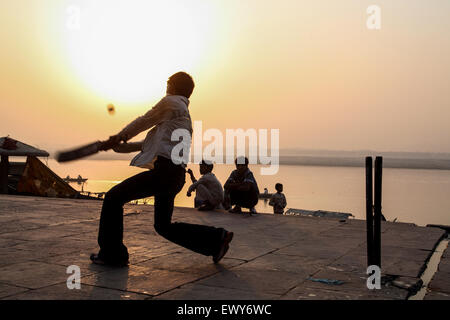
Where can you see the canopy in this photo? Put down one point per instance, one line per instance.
(22, 149)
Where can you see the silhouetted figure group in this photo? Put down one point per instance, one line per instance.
(240, 190)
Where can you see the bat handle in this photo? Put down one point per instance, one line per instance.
(106, 145)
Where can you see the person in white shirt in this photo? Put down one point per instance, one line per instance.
(208, 189)
(164, 180)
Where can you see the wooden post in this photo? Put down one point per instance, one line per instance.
(4, 168)
(369, 211)
(377, 211)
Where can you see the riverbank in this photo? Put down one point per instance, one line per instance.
(413, 196)
(271, 256)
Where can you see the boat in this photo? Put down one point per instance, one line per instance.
(79, 179)
(318, 213)
(265, 195)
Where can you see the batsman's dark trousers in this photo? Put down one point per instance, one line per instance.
(164, 181)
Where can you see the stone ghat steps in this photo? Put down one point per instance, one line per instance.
(270, 257)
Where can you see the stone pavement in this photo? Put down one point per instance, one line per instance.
(439, 287)
(270, 257)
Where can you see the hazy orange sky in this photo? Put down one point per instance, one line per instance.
(309, 68)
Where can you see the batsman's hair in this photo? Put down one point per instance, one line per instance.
(182, 84)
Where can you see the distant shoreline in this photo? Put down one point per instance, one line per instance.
(330, 161)
(397, 163)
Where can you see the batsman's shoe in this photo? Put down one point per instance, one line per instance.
(228, 236)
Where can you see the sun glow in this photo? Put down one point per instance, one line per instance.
(126, 50)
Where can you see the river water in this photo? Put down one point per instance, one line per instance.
(409, 195)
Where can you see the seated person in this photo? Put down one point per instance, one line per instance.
(208, 190)
(278, 200)
(241, 188)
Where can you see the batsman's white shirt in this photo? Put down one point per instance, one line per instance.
(169, 114)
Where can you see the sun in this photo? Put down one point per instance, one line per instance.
(126, 50)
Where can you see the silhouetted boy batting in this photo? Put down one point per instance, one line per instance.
(164, 180)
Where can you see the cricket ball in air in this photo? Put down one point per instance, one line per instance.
(111, 109)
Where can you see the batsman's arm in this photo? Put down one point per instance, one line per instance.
(154, 116)
(148, 120)
(128, 147)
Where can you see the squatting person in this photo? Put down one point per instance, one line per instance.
(208, 189)
(241, 189)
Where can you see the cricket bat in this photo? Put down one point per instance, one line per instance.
(95, 147)
(84, 151)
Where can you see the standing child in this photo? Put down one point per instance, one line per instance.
(278, 200)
